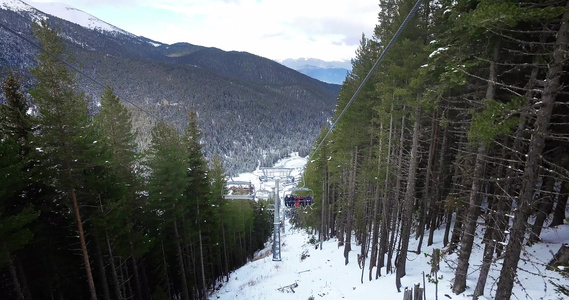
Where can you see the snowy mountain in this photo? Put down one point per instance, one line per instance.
(76, 16)
(16, 5)
(328, 71)
(42, 11)
(284, 109)
(314, 62)
(330, 75)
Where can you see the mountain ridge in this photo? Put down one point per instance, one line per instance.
(251, 109)
(77, 16)
(334, 72)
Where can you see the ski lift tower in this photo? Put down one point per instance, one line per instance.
(276, 175)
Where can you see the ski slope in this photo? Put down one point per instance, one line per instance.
(306, 271)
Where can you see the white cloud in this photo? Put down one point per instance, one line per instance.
(277, 29)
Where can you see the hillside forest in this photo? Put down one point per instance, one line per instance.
(252, 110)
(83, 215)
(463, 127)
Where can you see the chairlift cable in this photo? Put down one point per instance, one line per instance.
(368, 76)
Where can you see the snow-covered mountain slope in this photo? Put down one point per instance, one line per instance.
(65, 12)
(307, 271)
(74, 15)
(15, 5)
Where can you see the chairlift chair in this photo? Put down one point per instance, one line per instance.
(306, 201)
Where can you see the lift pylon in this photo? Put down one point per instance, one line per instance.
(276, 175)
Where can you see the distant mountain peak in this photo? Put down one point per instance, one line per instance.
(298, 63)
(327, 71)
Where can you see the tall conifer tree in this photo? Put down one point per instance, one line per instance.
(16, 211)
(197, 188)
(63, 122)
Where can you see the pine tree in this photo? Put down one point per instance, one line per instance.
(167, 182)
(63, 123)
(15, 216)
(217, 182)
(122, 209)
(197, 188)
(16, 209)
(16, 122)
(551, 88)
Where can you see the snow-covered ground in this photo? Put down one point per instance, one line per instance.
(321, 273)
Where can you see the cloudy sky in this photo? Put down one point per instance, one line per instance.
(276, 29)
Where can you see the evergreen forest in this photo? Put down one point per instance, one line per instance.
(83, 215)
(463, 127)
(252, 110)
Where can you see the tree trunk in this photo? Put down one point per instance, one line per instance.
(123, 280)
(168, 288)
(84, 252)
(530, 175)
(387, 206)
(475, 200)
(489, 242)
(226, 269)
(116, 283)
(102, 271)
(365, 247)
(200, 244)
(459, 180)
(23, 279)
(186, 293)
(86, 262)
(511, 177)
(340, 216)
(202, 267)
(407, 207)
(544, 208)
(139, 294)
(14, 275)
(559, 213)
(396, 207)
(505, 203)
(428, 199)
(349, 210)
(439, 186)
(144, 280)
(457, 229)
(471, 217)
(376, 220)
(128, 293)
(191, 263)
(335, 220)
(323, 211)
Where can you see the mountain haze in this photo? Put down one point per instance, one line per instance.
(327, 71)
(252, 110)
